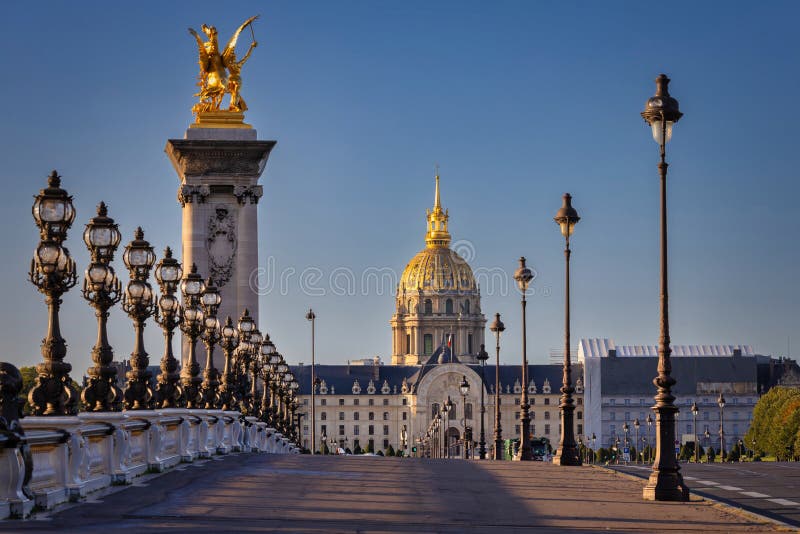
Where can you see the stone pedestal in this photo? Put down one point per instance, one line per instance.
(218, 169)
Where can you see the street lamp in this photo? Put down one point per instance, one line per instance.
(523, 276)
(566, 218)
(102, 289)
(139, 304)
(626, 429)
(649, 421)
(497, 327)
(404, 439)
(267, 350)
(707, 435)
(53, 273)
(192, 286)
(666, 482)
(168, 315)
(636, 425)
(694, 428)
(594, 440)
(482, 357)
(464, 389)
(311, 316)
(721, 404)
(256, 338)
(446, 407)
(229, 341)
(210, 300)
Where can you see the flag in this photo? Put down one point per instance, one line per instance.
(449, 340)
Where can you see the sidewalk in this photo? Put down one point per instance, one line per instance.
(351, 494)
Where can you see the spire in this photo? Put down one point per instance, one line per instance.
(437, 235)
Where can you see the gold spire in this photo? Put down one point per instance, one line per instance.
(437, 235)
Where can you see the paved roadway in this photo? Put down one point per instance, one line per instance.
(768, 488)
(315, 495)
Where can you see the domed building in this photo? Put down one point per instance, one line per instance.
(438, 301)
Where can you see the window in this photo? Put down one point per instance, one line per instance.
(324, 416)
(468, 410)
(612, 416)
(532, 401)
(452, 413)
(627, 402)
(371, 429)
(341, 416)
(324, 429)
(372, 402)
(408, 343)
(533, 415)
(466, 308)
(405, 402)
(516, 402)
(386, 402)
(385, 430)
(428, 307)
(469, 342)
(305, 429)
(580, 416)
(448, 307)
(305, 402)
(627, 416)
(405, 416)
(355, 416)
(428, 349)
(612, 402)
(324, 402)
(689, 428)
(371, 415)
(355, 430)
(580, 401)
(705, 416)
(385, 416)
(580, 429)
(516, 429)
(547, 416)
(355, 402)
(516, 416)
(341, 430)
(612, 429)
(641, 402)
(386, 444)
(546, 429)
(547, 401)
(341, 402)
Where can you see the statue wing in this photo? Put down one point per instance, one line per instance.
(229, 54)
(201, 51)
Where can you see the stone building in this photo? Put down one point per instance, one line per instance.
(437, 333)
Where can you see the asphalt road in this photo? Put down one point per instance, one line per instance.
(768, 488)
(330, 494)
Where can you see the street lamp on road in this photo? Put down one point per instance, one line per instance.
(665, 483)
(694, 427)
(311, 316)
(497, 327)
(482, 357)
(721, 404)
(464, 388)
(567, 217)
(523, 276)
(649, 422)
(636, 425)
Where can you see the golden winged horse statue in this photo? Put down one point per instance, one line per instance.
(220, 72)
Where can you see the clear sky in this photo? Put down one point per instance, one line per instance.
(517, 101)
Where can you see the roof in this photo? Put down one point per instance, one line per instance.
(599, 347)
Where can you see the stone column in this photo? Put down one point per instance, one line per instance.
(218, 169)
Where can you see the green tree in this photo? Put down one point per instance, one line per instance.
(357, 448)
(772, 412)
(324, 448)
(390, 451)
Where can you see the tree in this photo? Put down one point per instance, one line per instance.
(357, 448)
(687, 451)
(602, 455)
(776, 422)
(390, 451)
(370, 447)
(324, 448)
(711, 455)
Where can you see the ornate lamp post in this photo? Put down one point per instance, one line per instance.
(707, 435)
(649, 421)
(210, 300)
(636, 425)
(229, 341)
(254, 368)
(246, 326)
(482, 357)
(311, 316)
(404, 440)
(666, 482)
(523, 276)
(497, 327)
(139, 303)
(274, 362)
(169, 315)
(267, 351)
(626, 429)
(694, 428)
(102, 289)
(464, 389)
(445, 428)
(721, 404)
(192, 287)
(566, 218)
(53, 273)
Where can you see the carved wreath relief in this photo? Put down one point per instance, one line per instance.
(221, 246)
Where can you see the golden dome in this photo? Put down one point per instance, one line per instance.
(438, 269)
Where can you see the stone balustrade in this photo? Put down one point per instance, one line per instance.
(66, 458)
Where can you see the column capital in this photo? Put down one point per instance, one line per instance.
(245, 192)
(188, 194)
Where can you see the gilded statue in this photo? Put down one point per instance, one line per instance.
(220, 72)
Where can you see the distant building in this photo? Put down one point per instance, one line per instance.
(619, 389)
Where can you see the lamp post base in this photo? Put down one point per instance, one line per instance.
(567, 456)
(665, 486)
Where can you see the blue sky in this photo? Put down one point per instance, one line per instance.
(517, 101)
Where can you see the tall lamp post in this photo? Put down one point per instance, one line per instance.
(192, 286)
(464, 389)
(707, 435)
(666, 482)
(523, 276)
(721, 404)
(482, 357)
(404, 439)
(311, 316)
(229, 342)
(53, 273)
(211, 299)
(497, 327)
(636, 425)
(139, 304)
(694, 428)
(649, 421)
(168, 315)
(566, 218)
(102, 289)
